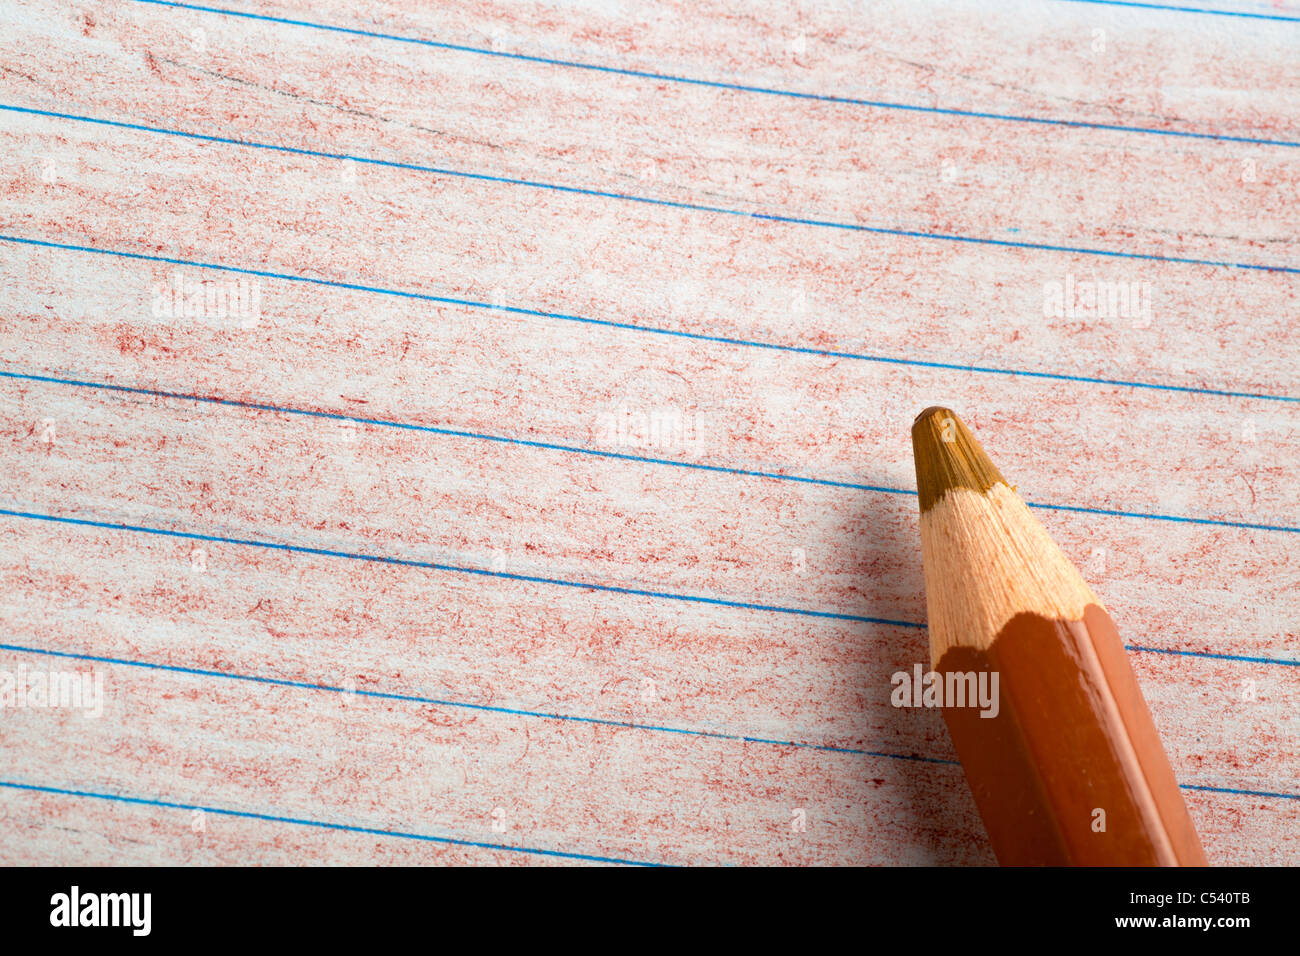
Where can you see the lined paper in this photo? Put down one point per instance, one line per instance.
(480, 434)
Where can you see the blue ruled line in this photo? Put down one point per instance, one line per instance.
(1244, 793)
(718, 84)
(299, 821)
(618, 456)
(1155, 516)
(760, 216)
(462, 569)
(632, 327)
(1222, 657)
(428, 565)
(1202, 10)
(563, 717)
(464, 705)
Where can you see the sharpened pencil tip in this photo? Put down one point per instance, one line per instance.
(934, 410)
(947, 456)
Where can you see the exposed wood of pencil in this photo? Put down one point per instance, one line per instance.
(1070, 770)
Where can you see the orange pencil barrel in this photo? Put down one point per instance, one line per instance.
(1069, 768)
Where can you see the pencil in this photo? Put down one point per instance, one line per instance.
(1067, 767)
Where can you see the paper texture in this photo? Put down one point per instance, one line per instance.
(481, 435)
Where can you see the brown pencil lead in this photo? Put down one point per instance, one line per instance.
(948, 456)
